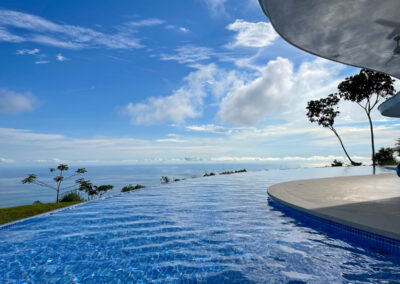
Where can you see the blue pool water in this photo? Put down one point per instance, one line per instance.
(215, 229)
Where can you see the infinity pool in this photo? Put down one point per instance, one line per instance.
(215, 229)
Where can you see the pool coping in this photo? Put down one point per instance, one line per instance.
(380, 238)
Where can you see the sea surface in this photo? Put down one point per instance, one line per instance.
(219, 229)
(14, 193)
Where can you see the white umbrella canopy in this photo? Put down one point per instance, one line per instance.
(362, 33)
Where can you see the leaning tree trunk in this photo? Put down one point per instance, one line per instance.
(372, 141)
(341, 143)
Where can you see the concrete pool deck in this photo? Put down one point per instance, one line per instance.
(370, 203)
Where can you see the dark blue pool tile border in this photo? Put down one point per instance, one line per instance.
(378, 242)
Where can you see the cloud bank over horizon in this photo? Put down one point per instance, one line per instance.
(139, 86)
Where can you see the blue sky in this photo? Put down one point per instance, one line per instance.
(87, 82)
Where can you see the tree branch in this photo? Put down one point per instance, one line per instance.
(43, 184)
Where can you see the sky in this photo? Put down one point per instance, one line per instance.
(90, 82)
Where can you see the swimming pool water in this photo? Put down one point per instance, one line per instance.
(215, 229)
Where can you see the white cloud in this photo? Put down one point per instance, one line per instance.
(6, 161)
(189, 54)
(53, 160)
(185, 30)
(216, 7)
(209, 128)
(186, 102)
(279, 90)
(328, 158)
(61, 58)
(13, 103)
(37, 29)
(9, 37)
(172, 140)
(41, 62)
(146, 23)
(174, 27)
(252, 34)
(249, 103)
(28, 51)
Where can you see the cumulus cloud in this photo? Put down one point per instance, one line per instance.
(250, 103)
(186, 102)
(33, 28)
(13, 103)
(279, 89)
(252, 34)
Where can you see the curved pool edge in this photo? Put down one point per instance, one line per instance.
(380, 238)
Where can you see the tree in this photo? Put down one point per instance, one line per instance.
(337, 163)
(324, 112)
(92, 190)
(397, 145)
(32, 178)
(384, 157)
(367, 89)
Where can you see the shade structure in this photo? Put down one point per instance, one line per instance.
(362, 33)
(391, 107)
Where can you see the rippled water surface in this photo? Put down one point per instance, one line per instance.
(215, 229)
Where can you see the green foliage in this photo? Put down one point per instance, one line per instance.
(92, 190)
(367, 89)
(356, 164)
(32, 178)
(337, 163)
(165, 179)
(81, 171)
(323, 111)
(62, 167)
(131, 187)
(364, 85)
(72, 197)
(19, 212)
(209, 174)
(397, 145)
(384, 157)
(233, 172)
(37, 202)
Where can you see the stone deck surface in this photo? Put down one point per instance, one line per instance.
(370, 203)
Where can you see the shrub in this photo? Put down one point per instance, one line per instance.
(93, 190)
(165, 179)
(384, 157)
(233, 172)
(131, 187)
(209, 174)
(37, 202)
(337, 163)
(72, 197)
